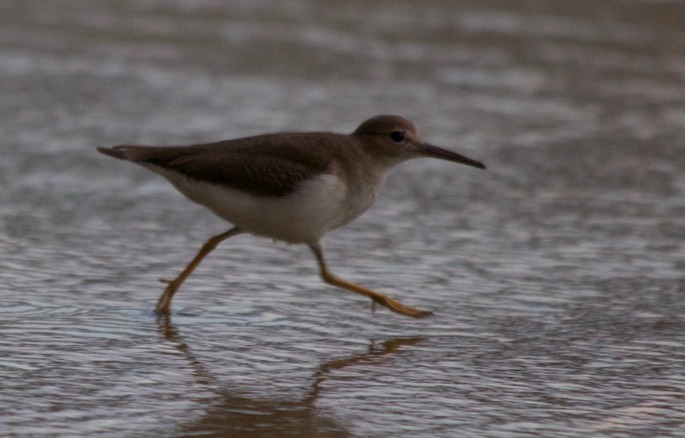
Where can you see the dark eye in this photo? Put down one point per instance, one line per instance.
(397, 136)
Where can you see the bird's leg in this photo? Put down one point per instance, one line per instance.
(381, 299)
(164, 303)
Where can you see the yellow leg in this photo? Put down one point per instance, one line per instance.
(381, 299)
(164, 303)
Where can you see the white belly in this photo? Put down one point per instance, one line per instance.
(304, 216)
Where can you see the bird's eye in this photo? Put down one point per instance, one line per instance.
(397, 136)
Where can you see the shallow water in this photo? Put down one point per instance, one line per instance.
(556, 276)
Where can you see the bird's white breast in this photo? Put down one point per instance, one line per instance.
(319, 205)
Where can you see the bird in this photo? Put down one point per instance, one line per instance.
(290, 186)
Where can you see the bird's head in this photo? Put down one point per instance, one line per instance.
(394, 139)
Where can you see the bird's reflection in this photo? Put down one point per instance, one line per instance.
(234, 414)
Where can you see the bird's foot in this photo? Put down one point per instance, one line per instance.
(400, 308)
(164, 302)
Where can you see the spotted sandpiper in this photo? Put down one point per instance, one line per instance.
(291, 186)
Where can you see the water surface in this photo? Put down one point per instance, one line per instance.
(556, 276)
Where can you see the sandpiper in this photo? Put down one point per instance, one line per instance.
(292, 186)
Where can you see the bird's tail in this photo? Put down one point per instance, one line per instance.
(141, 154)
(120, 152)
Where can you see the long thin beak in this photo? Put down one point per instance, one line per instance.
(428, 150)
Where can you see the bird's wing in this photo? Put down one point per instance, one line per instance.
(261, 165)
